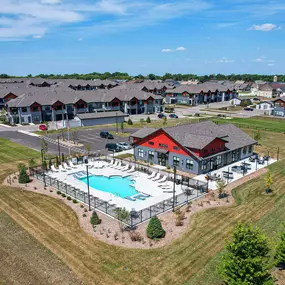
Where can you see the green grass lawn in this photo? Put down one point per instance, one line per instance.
(191, 259)
(260, 123)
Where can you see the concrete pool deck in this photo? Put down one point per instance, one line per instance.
(142, 184)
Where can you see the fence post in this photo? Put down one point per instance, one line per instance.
(163, 206)
(106, 205)
(65, 188)
(57, 184)
(150, 211)
(141, 216)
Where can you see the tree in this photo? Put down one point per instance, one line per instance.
(130, 122)
(164, 121)
(23, 176)
(122, 127)
(31, 164)
(123, 217)
(221, 184)
(62, 134)
(148, 120)
(87, 147)
(74, 137)
(44, 146)
(246, 261)
(62, 157)
(45, 165)
(151, 76)
(154, 229)
(3, 114)
(280, 250)
(94, 220)
(257, 136)
(21, 166)
(268, 181)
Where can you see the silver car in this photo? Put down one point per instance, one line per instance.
(124, 145)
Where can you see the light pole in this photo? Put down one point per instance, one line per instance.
(44, 178)
(58, 147)
(174, 181)
(88, 188)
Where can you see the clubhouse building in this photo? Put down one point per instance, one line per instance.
(195, 148)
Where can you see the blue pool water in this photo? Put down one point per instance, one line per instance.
(117, 185)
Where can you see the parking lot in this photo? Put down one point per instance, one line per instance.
(93, 140)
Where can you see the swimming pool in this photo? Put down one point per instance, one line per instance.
(117, 185)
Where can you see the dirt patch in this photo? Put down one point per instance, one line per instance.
(109, 230)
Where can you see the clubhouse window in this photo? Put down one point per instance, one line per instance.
(176, 161)
(189, 164)
(140, 151)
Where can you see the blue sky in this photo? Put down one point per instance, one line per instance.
(142, 36)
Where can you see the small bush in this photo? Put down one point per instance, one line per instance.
(81, 206)
(130, 122)
(74, 201)
(84, 215)
(23, 176)
(168, 166)
(154, 229)
(63, 195)
(50, 191)
(135, 236)
(85, 210)
(94, 220)
(179, 221)
(151, 163)
(116, 236)
(58, 192)
(68, 198)
(148, 120)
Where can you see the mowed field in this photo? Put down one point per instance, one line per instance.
(53, 228)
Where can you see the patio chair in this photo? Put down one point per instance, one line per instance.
(66, 166)
(71, 164)
(54, 169)
(61, 168)
(131, 170)
(115, 164)
(157, 177)
(119, 165)
(163, 179)
(124, 168)
(100, 164)
(110, 163)
(152, 175)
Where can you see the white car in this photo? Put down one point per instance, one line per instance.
(124, 145)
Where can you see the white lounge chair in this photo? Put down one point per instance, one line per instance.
(66, 166)
(151, 175)
(157, 177)
(95, 164)
(115, 164)
(71, 164)
(124, 168)
(110, 163)
(101, 164)
(54, 169)
(163, 179)
(61, 168)
(119, 165)
(132, 169)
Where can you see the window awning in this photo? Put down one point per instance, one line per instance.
(162, 150)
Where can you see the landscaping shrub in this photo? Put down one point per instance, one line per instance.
(148, 120)
(58, 192)
(74, 201)
(130, 122)
(94, 220)
(23, 176)
(84, 215)
(63, 195)
(135, 236)
(81, 206)
(154, 229)
(68, 198)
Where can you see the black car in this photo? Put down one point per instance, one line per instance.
(173, 116)
(161, 115)
(106, 135)
(248, 109)
(113, 147)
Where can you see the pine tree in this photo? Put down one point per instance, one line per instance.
(280, 250)
(94, 220)
(23, 176)
(130, 122)
(154, 229)
(268, 181)
(62, 157)
(148, 120)
(246, 260)
(49, 164)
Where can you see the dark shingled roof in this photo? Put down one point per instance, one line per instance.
(87, 116)
(199, 135)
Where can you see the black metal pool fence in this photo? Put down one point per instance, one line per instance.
(195, 189)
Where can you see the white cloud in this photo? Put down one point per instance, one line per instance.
(80, 39)
(270, 64)
(263, 59)
(37, 36)
(225, 60)
(265, 27)
(166, 50)
(180, 48)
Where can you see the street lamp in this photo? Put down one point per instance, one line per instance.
(44, 178)
(174, 181)
(88, 187)
(58, 147)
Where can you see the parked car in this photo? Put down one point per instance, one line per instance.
(161, 115)
(106, 135)
(173, 116)
(113, 147)
(43, 127)
(248, 109)
(124, 145)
